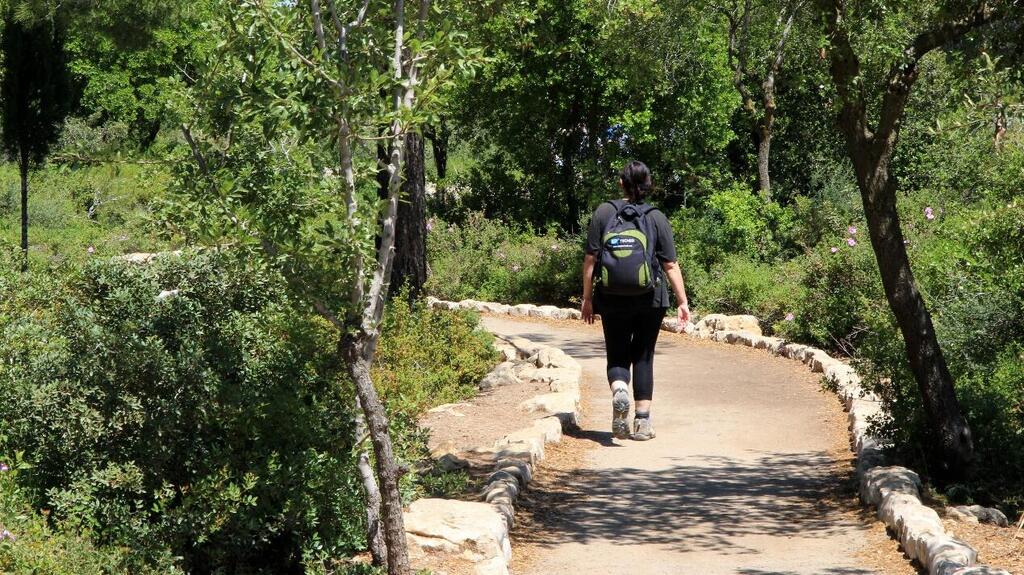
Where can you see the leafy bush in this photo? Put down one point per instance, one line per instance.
(213, 423)
(488, 260)
(426, 358)
(838, 289)
(30, 545)
(734, 220)
(741, 286)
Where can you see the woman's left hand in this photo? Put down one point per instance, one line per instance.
(683, 314)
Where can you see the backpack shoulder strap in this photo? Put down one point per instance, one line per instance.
(617, 204)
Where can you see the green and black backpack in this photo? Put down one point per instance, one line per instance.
(627, 265)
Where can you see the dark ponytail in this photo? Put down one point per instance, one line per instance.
(636, 181)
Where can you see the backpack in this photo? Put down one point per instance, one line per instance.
(626, 265)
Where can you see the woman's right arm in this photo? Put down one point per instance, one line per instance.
(589, 261)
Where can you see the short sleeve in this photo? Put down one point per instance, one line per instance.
(666, 248)
(597, 224)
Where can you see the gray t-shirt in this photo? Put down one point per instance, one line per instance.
(664, 250)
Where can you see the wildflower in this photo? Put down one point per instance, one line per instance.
(5, 534)
(91, 250)
(851, 230)
(851, 242)
(790, 316)
(501, 256)
(515, 267)
(834, 250)
(554, 247)
(430, 225)
(4, 468)
(929, 214)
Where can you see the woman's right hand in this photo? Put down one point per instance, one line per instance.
(588, 311)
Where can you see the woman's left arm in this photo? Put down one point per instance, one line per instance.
(675, 279)
(589, 261)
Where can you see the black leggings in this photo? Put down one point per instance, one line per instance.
(629, 338)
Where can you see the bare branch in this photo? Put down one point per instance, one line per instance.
(318, 25)
(781, 46)
(736, 53)
(197, 154)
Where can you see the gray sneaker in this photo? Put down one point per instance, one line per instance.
(620, 414)
(643, 430)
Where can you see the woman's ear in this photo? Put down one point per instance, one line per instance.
(622, 186)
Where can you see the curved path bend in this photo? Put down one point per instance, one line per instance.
(741, 479)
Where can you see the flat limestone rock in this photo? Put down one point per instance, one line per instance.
(978, 514)
(563, 404)
(448, 524)
(879, 482)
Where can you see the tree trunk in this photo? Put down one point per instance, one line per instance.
(410, 267)
(374, 532)
(23, 169)
(764, 145)
(439, 137)
(927, 361)
(388, 472)
(870, 151)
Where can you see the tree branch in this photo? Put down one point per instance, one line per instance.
(318, 25)
(903, 74)
(845, 70)
(737, 52)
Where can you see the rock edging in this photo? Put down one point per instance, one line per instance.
(895, 491)
(478, 532)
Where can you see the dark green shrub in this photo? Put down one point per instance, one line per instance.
(838, 289)
(214, 424)
(488, 260)
(427, 358)
(30, 545)
(210, 423)
(739, 285)
(734, 220)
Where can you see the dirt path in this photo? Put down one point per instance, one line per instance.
(742, 478)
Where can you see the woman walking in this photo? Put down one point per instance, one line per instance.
(630, 253)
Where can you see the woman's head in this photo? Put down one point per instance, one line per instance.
(635, 180)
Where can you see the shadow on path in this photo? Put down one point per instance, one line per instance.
(711, 503)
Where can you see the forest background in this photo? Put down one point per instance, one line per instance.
(200, 413)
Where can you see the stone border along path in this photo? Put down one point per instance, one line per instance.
(895, 491)
(478, 532)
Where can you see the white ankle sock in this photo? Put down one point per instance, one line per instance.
(617, 385)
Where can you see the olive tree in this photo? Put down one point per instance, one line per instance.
(875, 55)
(282, 125)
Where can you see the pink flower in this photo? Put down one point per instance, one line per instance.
(851, 242)
(91, 250)
(834, 250)
(790, 316)
(929, 214)
(4, 467)
(851, 230)
(5, 534)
